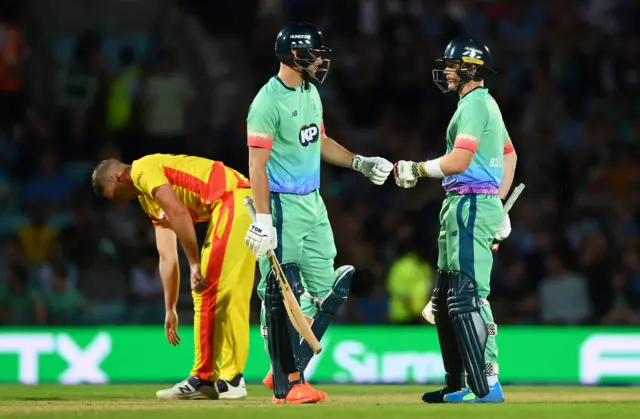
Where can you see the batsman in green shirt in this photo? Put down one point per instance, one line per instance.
(477, 172)
(287, 143)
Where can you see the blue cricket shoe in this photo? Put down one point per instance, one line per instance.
(466, 396)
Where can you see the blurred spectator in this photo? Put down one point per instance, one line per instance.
(628, 284)
(19, 302)
(80, 239)
(37, 235)
(82, 91)
(621, 311)
(563, 294)
(12, 56)
(408, 282)
(147, 290)
(123, 93)
(12, 255)
(596, 265)
(62, 300)
(104, 286)
(168, 96)
(49, 186)
(513, 298)
(56, 261)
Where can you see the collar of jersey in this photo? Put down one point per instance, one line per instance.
(292, 89)
(476, 89)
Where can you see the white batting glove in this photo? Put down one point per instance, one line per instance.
(376, 169)
(505, 228)
(406, 173)
(261, 236)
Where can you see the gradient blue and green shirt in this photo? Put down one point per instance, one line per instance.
(477, 126)
(288, 121)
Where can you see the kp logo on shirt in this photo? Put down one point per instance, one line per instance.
(309, 134)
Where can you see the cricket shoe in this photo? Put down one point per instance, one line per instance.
(192, 388)
(437, 396)
(234, 389)
(302, 394)
(466, 396)
(268, 382)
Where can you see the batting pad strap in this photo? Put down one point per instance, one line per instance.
(264, 331)
(492, 368)
(492, 329)
(483, 302)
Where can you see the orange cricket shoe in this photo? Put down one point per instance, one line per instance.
(268, 382)
(322, 394)
(301, 394)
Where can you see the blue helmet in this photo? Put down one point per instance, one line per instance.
(472, 55)
(307, 41)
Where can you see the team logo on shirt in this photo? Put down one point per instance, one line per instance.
(309, 134)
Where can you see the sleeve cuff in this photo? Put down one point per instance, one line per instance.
(467, 144)
(508, 148)
(260, 142)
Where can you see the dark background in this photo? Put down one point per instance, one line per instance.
(84, 80)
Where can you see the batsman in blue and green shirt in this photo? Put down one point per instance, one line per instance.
(477, 172)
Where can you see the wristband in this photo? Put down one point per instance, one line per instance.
(431, 168)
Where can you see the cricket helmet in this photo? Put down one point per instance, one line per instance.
(307, 41)
(472, 55)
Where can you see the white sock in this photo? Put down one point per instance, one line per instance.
(492, 380)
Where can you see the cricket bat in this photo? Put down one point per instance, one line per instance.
(297, 318)
(513, 198)
(515, 194)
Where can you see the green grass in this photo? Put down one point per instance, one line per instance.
(357, 402)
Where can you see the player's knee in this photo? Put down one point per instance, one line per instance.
(291, 272)
(462, 295)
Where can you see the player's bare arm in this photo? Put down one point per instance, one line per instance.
(180, 220)
(166, 243)
(258, 158)
(182, 225)
(509, 162)
(334, 153)
(377, 169)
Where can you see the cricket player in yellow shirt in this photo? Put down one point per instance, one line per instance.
(177, 191)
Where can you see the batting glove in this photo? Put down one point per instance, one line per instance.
(261, 236)
(505, 228)
(406, 173)
(376, 169)
(502, 233)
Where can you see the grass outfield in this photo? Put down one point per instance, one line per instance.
(361, 402)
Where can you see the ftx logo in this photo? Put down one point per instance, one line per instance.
(83, 364)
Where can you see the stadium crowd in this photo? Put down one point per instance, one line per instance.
(568, 86)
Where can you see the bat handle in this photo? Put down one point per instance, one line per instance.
(248, 202)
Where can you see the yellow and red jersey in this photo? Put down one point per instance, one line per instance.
(200, 183)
